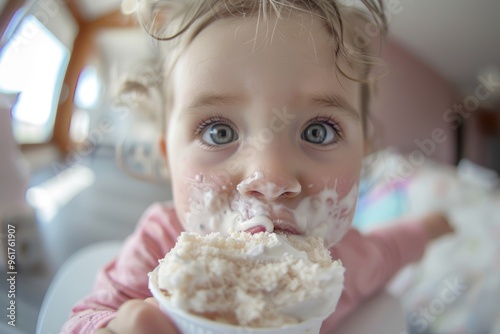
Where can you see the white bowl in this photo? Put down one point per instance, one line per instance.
(188, 323)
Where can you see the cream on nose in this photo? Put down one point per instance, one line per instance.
(260, 185)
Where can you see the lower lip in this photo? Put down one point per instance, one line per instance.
(285, 231)
(284, 227)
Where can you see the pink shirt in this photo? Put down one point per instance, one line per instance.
(370, 261)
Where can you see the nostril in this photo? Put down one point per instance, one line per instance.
(269, 193)
(289, 194)
(260, 195)
(254, 193)
(260, 186)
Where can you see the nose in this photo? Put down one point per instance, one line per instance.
(273, 171)
(269, 186)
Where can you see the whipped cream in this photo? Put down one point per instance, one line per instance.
(324, 214)
(259, 280)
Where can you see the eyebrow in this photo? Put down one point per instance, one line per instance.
(337, 102)
(210, 99)
(213, 100)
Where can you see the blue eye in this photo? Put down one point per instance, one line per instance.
(319, 133)
(219, 134)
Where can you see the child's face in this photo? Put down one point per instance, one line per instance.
(262, 133)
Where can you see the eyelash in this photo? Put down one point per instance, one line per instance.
(218, 119)
(205, 123)
(328, 121)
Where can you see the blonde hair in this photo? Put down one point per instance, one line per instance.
(178, 22)
(174, 24)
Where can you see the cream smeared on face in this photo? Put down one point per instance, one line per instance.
(290, 145)
(324, 214)
(212, 208)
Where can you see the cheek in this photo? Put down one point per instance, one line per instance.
(181, 186)
(341, 172)
(329, 212)
(190, 171)
(341, 178)
(345, 184)
(202, 200)
(329, 207)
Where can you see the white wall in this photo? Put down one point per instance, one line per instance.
(411, 105)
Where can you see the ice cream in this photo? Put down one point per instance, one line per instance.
(260, 280)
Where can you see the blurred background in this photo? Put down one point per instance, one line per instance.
(62, 63)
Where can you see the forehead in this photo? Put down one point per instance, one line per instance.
(287, 54)
(255, 35)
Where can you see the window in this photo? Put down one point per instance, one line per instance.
(88, 89)
(33, 63)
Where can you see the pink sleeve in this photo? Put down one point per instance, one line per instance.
(371, 260)
(126, 276)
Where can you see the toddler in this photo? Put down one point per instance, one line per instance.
(264, 130)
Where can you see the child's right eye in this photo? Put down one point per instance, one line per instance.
(216, 132)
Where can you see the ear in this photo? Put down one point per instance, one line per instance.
(162, 147)
(367, 148)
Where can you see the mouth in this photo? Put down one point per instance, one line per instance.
(256, 229)
(284, 226)
(279, 226)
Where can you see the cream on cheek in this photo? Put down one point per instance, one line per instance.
(214, 205)
(327, 214)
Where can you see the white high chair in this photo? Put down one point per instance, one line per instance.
(73, 281)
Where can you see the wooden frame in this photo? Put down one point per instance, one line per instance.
(8, 12)
(83, 48)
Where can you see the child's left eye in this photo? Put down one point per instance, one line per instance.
(321, 133)
(217, 133)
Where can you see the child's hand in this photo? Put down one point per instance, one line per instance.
(437, 225)
(140, 316)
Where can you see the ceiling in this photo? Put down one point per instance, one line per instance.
(91, 9)
(460, 39)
